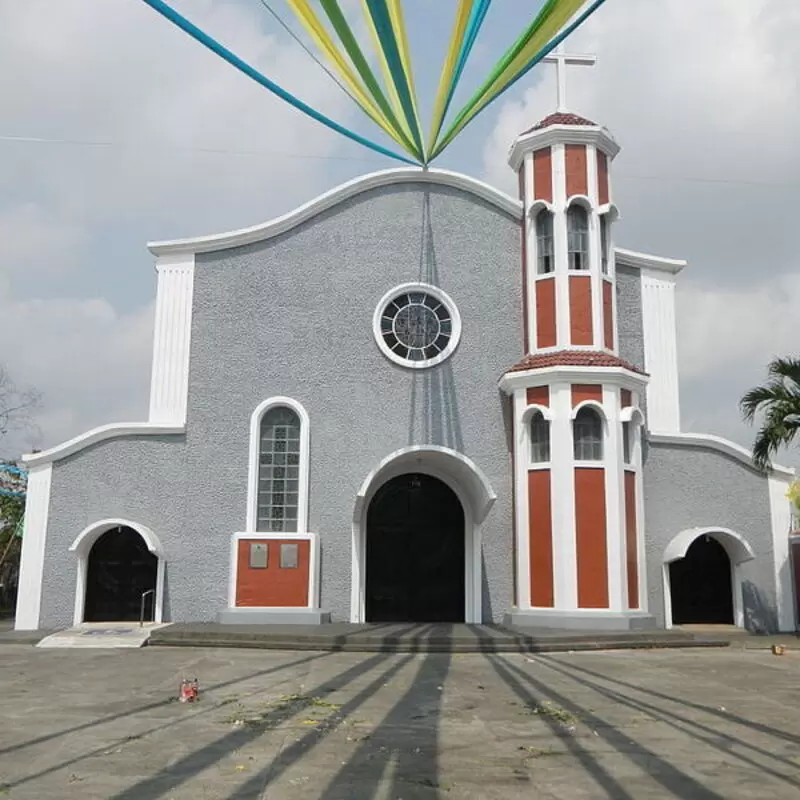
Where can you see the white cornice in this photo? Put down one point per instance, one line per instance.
(562, 134)
(391, 177)
(717, 443)
(613, 376)
(115, 430)
(630, 258)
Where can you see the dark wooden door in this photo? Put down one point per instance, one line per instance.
(120, 569)
(415, 552)
(700, 585)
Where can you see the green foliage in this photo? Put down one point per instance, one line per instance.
(778, 400)
(11, 511)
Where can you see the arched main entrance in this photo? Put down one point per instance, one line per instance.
(120, 569)
(701, 584)
(415, 551)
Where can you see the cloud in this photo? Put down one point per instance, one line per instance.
(91, 363)
(704, 99)
(146, 135)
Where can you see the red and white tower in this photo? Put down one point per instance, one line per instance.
(579, 555)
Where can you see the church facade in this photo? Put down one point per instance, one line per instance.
(414, 399)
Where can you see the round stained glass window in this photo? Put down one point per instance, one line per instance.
(417, 325)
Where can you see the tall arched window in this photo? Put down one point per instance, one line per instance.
(540, 438)
(587, 435)
(577, 237)
(279, 454)
(545, 258)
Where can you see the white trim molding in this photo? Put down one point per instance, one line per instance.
(611, 376)
(366, 183)
(781, 518)
(423, 288)
(631, 258)
(82, 547)
(736, 546)
(169, 381)
(553, 135)
(115, 430)
(313, 567)
(251, 516)
(469, 484)
(34, 536)
(716, 443)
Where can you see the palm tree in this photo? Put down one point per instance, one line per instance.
(779, 400)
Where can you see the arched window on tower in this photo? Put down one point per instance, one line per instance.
(604, 242)
(278, 470)
(577, 237)
(545, 259)
(540, 438)
(587, 435)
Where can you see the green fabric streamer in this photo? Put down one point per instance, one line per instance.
(359, 61)
(553, 15)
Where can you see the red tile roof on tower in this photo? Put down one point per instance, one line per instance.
(573, 358)
(559, 118)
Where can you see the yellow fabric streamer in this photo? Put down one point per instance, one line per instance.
(325, 43)
(449, 67)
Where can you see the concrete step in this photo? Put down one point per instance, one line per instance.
(417, 638)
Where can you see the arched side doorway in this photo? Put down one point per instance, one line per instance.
(473, 492)
(702, 581)
(118, 561)
(415, 552)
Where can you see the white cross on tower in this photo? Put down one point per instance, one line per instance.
(562, 60)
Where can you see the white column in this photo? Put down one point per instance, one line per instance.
(594, 250)
(562, 499)
(560, 244)
(615, 503)
(34, 535)
(169, 384)
(660, 351)
(521, 512)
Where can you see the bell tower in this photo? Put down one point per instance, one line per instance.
(579, 527)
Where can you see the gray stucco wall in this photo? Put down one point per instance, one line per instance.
(293, 316)
(630, 325)
(138, 478)
(690, 487)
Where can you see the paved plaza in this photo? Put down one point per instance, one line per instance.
(711, 724)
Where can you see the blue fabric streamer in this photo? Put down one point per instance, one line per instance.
(213, 45)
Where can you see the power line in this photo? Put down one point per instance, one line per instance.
(180, 148)
(282, 154)
(308, 51)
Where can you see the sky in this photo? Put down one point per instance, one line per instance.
(117, 129)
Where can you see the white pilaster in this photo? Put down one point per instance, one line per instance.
(562, 499)
(781, 518)
(615, 502)
(522, 512)
(34, 535)
(169, 384)
(660, 350)
(560, 244)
